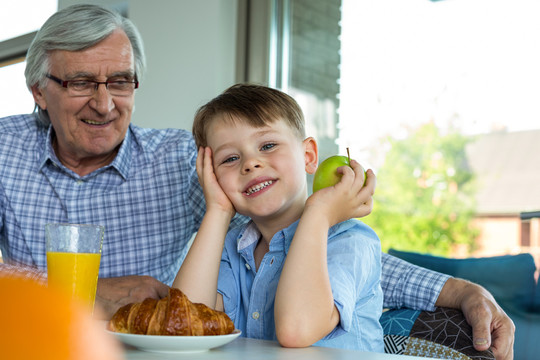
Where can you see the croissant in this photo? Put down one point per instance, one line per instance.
(172, 315)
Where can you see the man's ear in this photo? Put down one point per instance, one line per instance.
(39, 97)
(311, 155)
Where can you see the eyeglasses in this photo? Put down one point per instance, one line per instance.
(89, 87)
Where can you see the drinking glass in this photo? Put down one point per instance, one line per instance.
(73, 257)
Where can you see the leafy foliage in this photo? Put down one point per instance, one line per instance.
(424, 196)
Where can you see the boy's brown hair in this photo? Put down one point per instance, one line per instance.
(255, 104)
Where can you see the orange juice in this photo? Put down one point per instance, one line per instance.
(76, 273)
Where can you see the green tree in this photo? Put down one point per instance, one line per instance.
(424, 196)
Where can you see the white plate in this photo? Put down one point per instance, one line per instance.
(175, 344)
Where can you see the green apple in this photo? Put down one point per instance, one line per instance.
(326, 174)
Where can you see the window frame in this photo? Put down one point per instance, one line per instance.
(14, 50)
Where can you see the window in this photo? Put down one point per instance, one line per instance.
(19, 20)
(474, 63)
(469, 67)
(12, 81)
(294, 45)
(24, 16)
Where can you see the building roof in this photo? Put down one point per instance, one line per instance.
(507, 170)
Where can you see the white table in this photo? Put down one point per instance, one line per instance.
(252, 349)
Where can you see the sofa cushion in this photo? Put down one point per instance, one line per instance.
(411, 346)
(509, 278)
(442, 334)
(536, 308)
(398, 321)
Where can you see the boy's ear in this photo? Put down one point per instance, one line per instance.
(311, 155)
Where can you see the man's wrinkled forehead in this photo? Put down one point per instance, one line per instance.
(112, 56)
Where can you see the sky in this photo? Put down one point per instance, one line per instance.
(475, 63)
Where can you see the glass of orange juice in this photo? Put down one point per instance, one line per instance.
(73, 257)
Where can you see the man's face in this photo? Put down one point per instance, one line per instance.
(89, 129)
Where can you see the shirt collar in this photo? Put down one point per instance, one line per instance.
(47, 151)
(281, 240)
(122, 161)
(249, 236)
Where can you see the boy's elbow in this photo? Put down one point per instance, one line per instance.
(293, 336)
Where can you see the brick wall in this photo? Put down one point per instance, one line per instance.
(314, 65)
(315, 42)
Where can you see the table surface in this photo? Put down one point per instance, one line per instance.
(243, 348)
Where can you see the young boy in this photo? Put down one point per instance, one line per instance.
(299, 271)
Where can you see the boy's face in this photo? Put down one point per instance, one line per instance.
(262, 169)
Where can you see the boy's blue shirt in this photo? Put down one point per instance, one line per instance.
(354, 266)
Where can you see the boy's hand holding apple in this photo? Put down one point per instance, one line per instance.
(327, 173)
(343, 187)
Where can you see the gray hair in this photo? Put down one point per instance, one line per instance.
(77, 28)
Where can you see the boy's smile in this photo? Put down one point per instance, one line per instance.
(259, 187)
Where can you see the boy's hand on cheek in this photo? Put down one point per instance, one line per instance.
(215, 197)
(349, 198)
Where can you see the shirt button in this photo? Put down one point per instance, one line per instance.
(248, 267)
(255, 315)
(80, 182)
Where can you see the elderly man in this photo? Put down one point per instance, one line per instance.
(79, 159)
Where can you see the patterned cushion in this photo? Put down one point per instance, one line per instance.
(441, 334)
(405, 345)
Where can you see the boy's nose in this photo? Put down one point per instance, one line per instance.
(251, 165)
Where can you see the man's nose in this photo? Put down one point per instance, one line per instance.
(102, 100)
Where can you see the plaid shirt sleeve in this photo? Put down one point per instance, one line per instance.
(408, 285)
